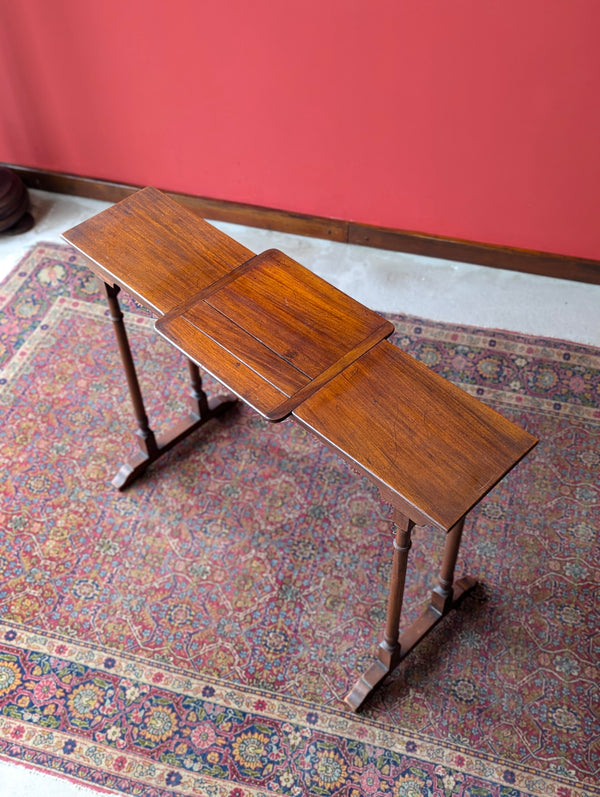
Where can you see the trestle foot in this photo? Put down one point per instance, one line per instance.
(387, 661)
(128, 473)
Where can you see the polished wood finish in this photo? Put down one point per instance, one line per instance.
(434, 449)
(156, 250)
(545, 264)
(281, 332)
(287, 342)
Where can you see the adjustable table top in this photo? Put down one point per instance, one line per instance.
(286, 341)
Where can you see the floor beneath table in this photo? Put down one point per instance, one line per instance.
(386, 281)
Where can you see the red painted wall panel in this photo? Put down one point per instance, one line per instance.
(460, 118)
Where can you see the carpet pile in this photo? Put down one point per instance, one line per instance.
(197, 634)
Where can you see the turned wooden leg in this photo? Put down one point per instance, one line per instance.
(202, 408)
(442, 596)
(199, 401)
(445, 596)
(389, 646)
(389, 652)
(144, 433)
(201, 405)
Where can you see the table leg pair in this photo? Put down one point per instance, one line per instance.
(202, 408)
(444, 597)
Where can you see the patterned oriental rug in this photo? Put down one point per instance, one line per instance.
(197, 634)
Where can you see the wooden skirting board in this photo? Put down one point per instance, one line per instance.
(542, 263)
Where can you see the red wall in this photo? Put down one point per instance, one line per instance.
(476, 119)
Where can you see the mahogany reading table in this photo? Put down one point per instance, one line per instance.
(290, 344)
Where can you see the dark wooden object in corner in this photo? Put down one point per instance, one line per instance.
(14, 204)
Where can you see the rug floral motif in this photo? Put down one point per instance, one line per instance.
(197, 633)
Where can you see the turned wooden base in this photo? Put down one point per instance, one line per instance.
(203, 409)
(444, 597)
(387, 660)
(151, 451)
